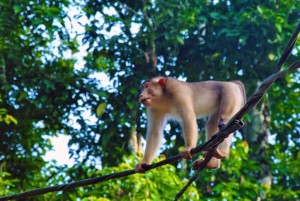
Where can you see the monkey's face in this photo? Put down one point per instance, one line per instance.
(152, 91)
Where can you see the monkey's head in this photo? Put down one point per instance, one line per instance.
(152, 91)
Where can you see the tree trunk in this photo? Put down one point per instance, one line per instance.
(256, 133)
(136, 142)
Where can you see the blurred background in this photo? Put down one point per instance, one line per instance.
(70, 73)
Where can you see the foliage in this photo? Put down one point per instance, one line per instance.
(35, 85)
(159, 184)
(7, 183)
(6, 118)
(44, 94)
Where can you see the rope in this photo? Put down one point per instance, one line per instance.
(234, 124)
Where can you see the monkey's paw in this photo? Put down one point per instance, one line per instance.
(214, 163)
(139, 167)
(218, 154)
(186, 154)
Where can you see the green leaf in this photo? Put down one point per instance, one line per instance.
(278, 27)
(214, 15)
(3, 111)
(100, 109)
(52, 11)
(133, 91)
(17, 9)
(180, 40)
(271, 56)
(259, 9)
(10, 118)
(217, 16)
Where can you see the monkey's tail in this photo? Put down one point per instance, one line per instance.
(243, 90)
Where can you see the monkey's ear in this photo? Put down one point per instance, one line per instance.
(162, 82)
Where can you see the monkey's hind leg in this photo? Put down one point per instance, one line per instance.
(223, 149)
(211, 129)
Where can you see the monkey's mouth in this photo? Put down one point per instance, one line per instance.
(145, 100)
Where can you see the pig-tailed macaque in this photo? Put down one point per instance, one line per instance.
(168, 98)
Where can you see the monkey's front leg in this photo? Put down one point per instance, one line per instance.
(156, 122)
(190, 133)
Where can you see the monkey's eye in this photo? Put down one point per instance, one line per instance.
(143, 87)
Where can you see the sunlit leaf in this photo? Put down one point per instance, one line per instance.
(271, 56)
(100, 109)
(259, 9)
(17, 9)
(3, 111)
(12, 119)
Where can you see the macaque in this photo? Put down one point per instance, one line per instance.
(167, 98)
